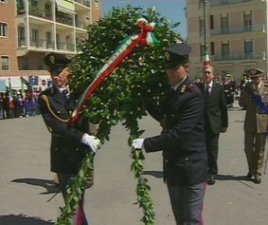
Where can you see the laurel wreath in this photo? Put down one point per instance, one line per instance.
(124, 96)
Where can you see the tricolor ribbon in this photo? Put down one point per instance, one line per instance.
(145, 37)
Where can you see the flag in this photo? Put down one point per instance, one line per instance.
(33, 80)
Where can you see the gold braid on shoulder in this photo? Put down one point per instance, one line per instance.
(49, 108)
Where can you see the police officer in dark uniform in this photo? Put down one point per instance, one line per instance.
(70, 142)
(182, 140)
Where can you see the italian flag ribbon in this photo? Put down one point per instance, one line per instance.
(145, 37)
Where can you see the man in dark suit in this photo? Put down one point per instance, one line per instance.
(216, 119)
(70, 142)
(182, 140)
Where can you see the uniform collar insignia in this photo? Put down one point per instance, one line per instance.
(52, 59)
(167, 56)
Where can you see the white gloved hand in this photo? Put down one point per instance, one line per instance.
(137, 144)
(91, 141)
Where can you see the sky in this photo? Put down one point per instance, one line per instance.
(172, 9)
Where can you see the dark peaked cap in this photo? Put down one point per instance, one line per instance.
(176, 54)
(56, 62)
(255, 72)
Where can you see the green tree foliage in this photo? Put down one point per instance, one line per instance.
(138, 82)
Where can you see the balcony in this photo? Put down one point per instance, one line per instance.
(40, 13)
(215, 3)
(84, 2)
(244, 56)
(65, 46)
(237, 30)
(81, 24)
(21, 42)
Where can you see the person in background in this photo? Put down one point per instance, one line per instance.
(229, 89)
(255, 99)
(70, 142)
(182, 140)
(216, 119)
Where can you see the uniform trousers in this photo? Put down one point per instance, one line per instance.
(254, 149)
(212, 142)
(187, 203)
(79, 218)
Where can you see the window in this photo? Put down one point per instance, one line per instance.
(35, 37)
(225, 51)
(3, 30)
(25, 63)
(201, 27)
(40, 64)
(224, 25)
(58, 41)
(247, 22)
(21, 36)
(248, 45)
(5, 62)
(34, 3)
(48, 40)
(212, 48)
(211, 22)
(202, 50)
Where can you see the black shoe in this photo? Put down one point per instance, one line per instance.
(211, 179)
(249, 175)
(257, 179)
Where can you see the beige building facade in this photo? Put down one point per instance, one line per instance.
(30, 29)
(234, 34)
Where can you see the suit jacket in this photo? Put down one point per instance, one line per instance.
(183, 138)
(216, 112)
(66, 149)
(256, 120)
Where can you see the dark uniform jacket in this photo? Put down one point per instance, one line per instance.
(183, 137)
(216, 113)
(67, 151)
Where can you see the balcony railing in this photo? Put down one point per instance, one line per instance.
(37, 43)
(229, 2)
(83, 2)
(245, 56)
(65, 20)
(81, 24)
(21, 42)
(40, 13)
(237, 30)
(65, 46)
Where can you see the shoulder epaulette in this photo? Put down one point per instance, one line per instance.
(188, 88)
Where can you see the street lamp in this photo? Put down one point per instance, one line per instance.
(205, 25)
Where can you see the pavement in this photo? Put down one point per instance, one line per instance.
(26, 197)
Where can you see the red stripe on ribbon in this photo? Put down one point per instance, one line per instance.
(145, 28)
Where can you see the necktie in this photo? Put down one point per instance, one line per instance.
(207, 93)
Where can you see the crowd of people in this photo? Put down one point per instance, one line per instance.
(232, 89)
(17, 104)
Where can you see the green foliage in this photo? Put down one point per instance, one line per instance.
(142, 189)
(138, 82)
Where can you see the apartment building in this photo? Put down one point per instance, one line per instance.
(234, 32)
(29, 29)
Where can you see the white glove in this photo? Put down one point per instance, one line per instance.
(91, 141)
(137, 144)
